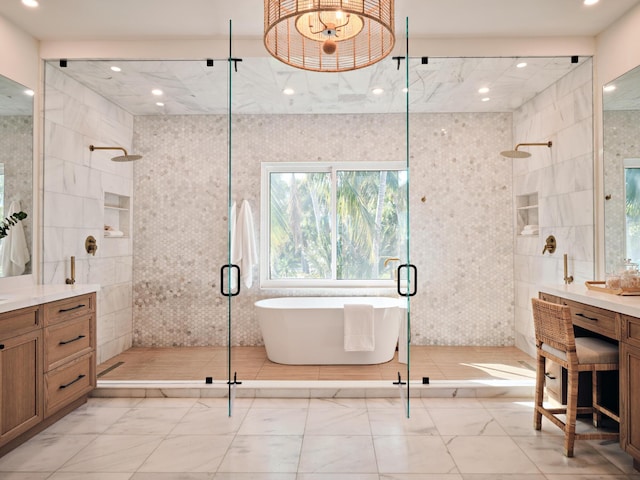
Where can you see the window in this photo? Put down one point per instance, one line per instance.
(632, 208)
(332, 224)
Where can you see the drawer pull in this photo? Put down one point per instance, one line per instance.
(549, 376)
(80, 377)
(65, 342)
(588, 318)
(63, 310)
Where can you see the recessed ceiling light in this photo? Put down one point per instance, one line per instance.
(29, 92)
(483, 90)
(30, 3)
(116, 69)
(288, 91)
(590, 2)
(521, 64)
(157, 92)
(486, 99)
(377, 91)
(160, 104)
(609, 88)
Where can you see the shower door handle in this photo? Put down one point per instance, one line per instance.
(222, 270)
(412, 282)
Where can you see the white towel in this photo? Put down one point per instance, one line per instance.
(14, 251)
(235, 248)
(244, 252)
(358, 328)
(113, 233)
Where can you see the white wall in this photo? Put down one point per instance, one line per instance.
(75, 181)
(563, 180)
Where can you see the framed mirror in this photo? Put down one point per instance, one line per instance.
(16, 178)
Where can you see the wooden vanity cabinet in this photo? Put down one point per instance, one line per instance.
(47, 365)
(20, 372)
(630, 387)
(623, 329)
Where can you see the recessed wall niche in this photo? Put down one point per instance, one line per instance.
(527, 214)
(117, 216)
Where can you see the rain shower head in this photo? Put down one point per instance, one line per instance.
(121, 158)
(515, 153)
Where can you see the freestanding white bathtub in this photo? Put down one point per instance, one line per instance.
(310, 330)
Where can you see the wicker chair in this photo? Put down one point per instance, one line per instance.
(555, 341)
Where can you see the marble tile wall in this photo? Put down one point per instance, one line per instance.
(75, 181)
(620, 141)
(16, 154)
(562, 176)
(462, 239)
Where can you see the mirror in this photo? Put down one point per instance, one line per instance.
(16, 177)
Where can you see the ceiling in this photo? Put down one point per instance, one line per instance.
(443, 85)
(173, 19)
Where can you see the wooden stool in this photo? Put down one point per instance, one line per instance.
(556, 341)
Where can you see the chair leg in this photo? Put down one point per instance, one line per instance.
(595, 399)
(572, 410)
(539, 394)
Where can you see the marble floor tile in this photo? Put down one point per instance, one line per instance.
(546, 453)
(113, 453)
(203, 420)
(413, 454)
(272, 421)
(337, 454)
(467, 421)
(87, 419)
(147, 421)
(251, 476)
(25, 476)
(188, 453)
(94, 476)
(309, 439)
(262, 453)
(395, 422)
(44, 453)
(338, 421)
(497, 455)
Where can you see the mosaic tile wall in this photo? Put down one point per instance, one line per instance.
(75, 181)
(562, 177)
(620, 141)
(16, 154)
(462, 232)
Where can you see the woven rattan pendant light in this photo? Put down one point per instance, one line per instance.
(329, 35)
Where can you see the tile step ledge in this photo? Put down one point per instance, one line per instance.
(315, 389)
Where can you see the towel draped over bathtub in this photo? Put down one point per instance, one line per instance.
(358, 328)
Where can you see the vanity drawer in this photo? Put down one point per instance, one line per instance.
(65, 341)
(20, 321)
(55, 312)
(67, 383)
(631, 330)
(594, 319)
(547, 297)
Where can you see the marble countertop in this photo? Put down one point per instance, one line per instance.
(628, 305)
(13, 299)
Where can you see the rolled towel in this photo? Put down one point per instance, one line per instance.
(113, 233)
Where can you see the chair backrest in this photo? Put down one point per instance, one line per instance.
(553, 325)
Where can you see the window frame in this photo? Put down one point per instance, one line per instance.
(265, 201)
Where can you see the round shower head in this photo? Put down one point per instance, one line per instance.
(515, 154)
(121, 158)
(126, 158)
